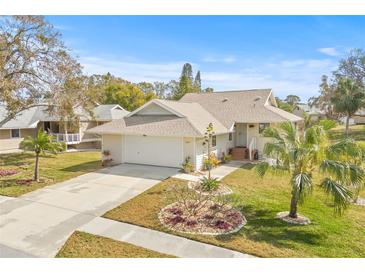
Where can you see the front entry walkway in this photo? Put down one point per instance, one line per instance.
(157, 241)
(38, 223)
(218, 172)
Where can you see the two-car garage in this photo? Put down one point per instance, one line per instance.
(147, 150)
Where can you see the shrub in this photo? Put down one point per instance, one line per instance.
(221, 224)
(176, 220)
(211, 162)
(226, 158)
(187, 166)
(209, 184)
(63, 146)
(7, 172)
(191, 223)
(24, 182)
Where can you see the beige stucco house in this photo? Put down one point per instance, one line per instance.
(165, 133)
(29, 121)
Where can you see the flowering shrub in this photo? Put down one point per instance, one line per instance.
(211, 162)
(187, 165)
(24, 182)
(191, 223)
(221, 224)
(176, 220)
(7, 172)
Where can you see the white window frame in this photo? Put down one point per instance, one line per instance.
(11, 133)
(267, 126)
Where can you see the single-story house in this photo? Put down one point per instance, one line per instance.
(359, 117)
(165, 133)
(313, 112)
(29, 121)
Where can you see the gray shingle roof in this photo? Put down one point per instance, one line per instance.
(109, 112)
(246, 106)
(30, 117)
(191, 115)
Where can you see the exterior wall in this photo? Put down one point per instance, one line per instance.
(359, 119)
(189, 149)
(113, 143)
(254, 132)
(153, 109)
(7, 143)
(223, 145)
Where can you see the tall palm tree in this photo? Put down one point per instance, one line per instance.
(40, 144)
(299, 155)
(348, 98)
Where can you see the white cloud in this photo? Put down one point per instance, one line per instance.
(133, 71)
(329, 51)
(225, 59)
(284, 76)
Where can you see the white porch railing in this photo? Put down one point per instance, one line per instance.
(252, 146)
(69, 138)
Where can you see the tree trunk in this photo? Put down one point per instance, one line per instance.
(293, 207)
(36, 168)
(347, 125)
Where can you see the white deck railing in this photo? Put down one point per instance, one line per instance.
(69, 138)
(252, 146)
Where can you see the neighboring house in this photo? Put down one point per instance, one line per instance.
(165, 133)
(359, 117)
(29, 121)
(313, 112)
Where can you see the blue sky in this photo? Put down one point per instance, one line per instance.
(286, 53)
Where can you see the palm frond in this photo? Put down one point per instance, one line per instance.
(262, 168)
(346, 147)
(302, 185)
(340, 194)
(289, 132)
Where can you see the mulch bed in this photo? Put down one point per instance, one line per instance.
(300, 220)
(208, 220)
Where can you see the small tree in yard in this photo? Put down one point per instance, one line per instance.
(300, 155)
(209, 133)
(40, 144)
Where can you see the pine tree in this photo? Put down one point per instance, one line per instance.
(198, 82)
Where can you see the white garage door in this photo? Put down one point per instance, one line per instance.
(159, 151)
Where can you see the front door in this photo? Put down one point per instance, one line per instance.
(241, 135)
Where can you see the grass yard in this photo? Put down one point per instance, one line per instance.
(85, 245)
(355, 131)
(264, 235)
(52, 168)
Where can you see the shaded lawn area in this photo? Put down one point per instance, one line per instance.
(85, 245)
(356, 132)
(264, 235)
(52, 169)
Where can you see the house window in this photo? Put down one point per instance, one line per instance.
(214, 141)
(263, 126)
(15, 133)
(230, 136)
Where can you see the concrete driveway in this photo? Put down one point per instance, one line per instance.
(38, 223)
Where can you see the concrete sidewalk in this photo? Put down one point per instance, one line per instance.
(218, 172)
(157, 241)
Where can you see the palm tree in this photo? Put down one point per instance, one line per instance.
(348, 98)
(299, 155)
(40, 144)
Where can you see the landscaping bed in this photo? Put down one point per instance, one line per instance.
(85, 245)
(16, 171)
(260, 200)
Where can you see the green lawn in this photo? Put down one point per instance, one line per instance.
(264, 235)
(52, 168)
(356, 131)
(85, 245)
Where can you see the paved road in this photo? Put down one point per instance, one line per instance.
(38, 223)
